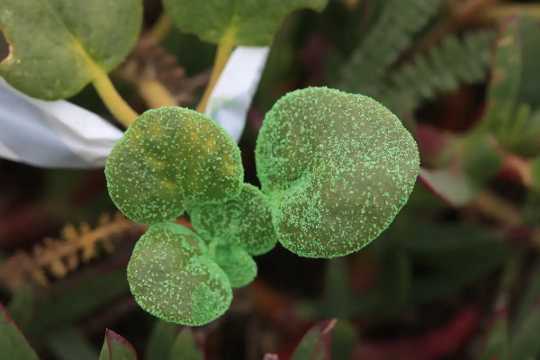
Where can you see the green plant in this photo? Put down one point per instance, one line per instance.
(378, 67)
(335, 168)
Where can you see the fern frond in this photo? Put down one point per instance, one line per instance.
(513, 123)
(518, 130)
(390, 35)
(442, 69)
(58, 257)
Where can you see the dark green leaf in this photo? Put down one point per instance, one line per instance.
(535, 172)
(481, 160)
(524, 343)
(171, 157)
(69, 343)
(344, 338)
(239, 266)
(13, 345)
(497, 344)
(172, 277)
(56, 45)
(115, 347)
(185, 348)
(161, 340)
(313, 345)
(65, 303)
(337, 167)
(527, 322)
(338, 298)
(252, 22)
(506, 78)
(245, 221)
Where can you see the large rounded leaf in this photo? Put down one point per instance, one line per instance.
(253, 22)
(338, 168)
(244, 221)
(168, 158)
(55, 44)
(172, 277)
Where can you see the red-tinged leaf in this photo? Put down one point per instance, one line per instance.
(115, 347)
(431, 142)
(452, 187)
(315, 345)
(436, 344)
(13, 345)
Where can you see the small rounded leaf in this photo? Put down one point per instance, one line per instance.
(172, 277)
(338, 167)
(244, 221)
(239, 266)
(171, 157)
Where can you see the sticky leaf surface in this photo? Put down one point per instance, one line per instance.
(244, 221)
(168, 158)
(172, 277)
(337, 167)
(239, 266)
(253, 22)
(57, 60)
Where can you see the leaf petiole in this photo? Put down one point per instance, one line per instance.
(224, 50)
(111, 98)
(161, 29)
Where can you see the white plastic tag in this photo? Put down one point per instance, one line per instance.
(231, 98)
(52, 133)
(58, 134)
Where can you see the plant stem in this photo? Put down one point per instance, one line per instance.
(111, 98)
(155, 94)
(503, 11)
(223, 53)
(160, 29)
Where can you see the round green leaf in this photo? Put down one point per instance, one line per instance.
(244, 221)
(239, 266)
(168, 158)
(55, 43)
(337, 167)
(172, 277)
(253, 22)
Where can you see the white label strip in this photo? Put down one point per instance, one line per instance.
(58, 134)
(231, 98)
(52, 133)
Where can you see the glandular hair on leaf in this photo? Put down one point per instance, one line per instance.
(337, 168)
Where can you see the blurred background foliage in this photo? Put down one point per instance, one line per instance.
(457, 276)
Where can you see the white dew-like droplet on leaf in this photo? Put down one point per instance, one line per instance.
(239, 266)
(171, 157)
(244, 221)
(172, 277)
(337, 167)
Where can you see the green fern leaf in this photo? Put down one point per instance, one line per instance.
(443, 69)
(388, 37)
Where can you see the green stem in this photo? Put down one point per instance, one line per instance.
(224, 50)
